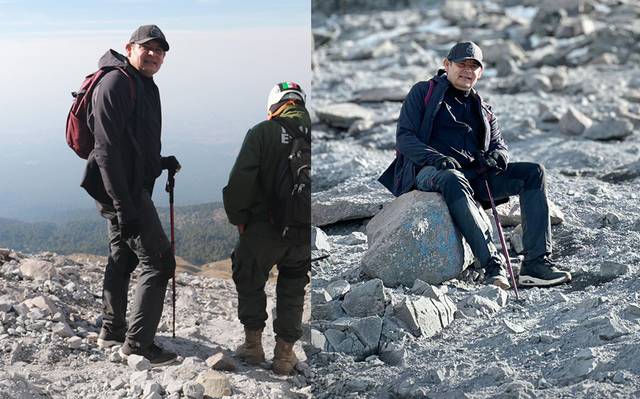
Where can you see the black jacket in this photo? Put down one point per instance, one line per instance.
(126, 122)
(414, 131)
(246, 195)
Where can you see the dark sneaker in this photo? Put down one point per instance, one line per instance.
(542, 272)
(496, 274)
(108, 339)
(154, 354)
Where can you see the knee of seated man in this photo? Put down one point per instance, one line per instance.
(453, 183)
(536, 175)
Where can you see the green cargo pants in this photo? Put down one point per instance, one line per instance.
(259, 249)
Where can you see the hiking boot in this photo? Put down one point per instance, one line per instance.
(542, 272)
(496, 274)
(107, 339)
(251, 351)
(284, 359)
(154, 354)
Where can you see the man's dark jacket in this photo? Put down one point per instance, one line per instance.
(414, 130)
(126, 122)
(251, 180)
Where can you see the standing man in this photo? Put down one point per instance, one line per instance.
(249, 200)
(125, 119)
(448, 141)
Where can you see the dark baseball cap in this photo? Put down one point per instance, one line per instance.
(465, 51)
(146, 33)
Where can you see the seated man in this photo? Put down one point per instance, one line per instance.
(448, 141)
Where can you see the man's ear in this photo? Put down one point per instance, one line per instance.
(446, 63)
(129, 48)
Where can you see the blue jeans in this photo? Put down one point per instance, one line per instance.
(460, 189)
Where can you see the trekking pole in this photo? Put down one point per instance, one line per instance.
(320, 258)
(501, 235)
(171, 180)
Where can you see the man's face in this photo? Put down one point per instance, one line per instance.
(147, 58)
(463, 75)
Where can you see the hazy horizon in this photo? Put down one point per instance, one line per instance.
(213, 85)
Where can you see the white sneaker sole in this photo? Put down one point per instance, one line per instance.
(105, 343)
(165, 363)
(529, 281)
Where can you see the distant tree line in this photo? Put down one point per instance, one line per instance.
(202, 233)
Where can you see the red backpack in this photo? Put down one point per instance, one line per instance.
(79, 136)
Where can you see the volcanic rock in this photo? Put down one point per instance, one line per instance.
(366, 299)
(414, 238)
(574, 122)
(37, 269)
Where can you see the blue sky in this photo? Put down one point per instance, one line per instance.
(24, 17)
(224, 58)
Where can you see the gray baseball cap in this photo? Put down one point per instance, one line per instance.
(146, 33)
(465, 51)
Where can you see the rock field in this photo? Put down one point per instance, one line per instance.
(50, 309)
(564, 82)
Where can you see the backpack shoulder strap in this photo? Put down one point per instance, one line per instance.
(427, 97)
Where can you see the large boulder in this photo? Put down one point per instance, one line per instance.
(343, 115)
(348, 201)
(414, 238)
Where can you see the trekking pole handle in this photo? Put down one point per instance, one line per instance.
(171, 181)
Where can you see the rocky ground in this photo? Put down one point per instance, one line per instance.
(564, 82)
(50, 319)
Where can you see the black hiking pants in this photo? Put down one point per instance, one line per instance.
(152, 250)
(260, 248)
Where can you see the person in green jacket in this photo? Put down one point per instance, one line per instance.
(261, 244)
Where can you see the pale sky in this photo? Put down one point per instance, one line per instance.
(224, 59)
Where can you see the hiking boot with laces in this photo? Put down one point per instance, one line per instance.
(251, 350)
(153, 353)
(107, 339)
(496, 274)
(542, 272)
(284, 358)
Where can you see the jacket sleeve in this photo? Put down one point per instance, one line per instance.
(239, 194)
(496, 141)
(112, 107)
(409, 122)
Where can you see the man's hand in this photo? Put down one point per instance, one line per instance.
(129, 230)
(499, 158)
(447, 163)
(170, 163)
(240, 228)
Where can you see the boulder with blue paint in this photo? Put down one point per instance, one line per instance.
(414, 238)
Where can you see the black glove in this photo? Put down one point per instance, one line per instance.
(129, 230)
(170, 163)
(447, 163)
(500, 158)
(495, 160)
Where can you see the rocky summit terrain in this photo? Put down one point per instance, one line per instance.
(564, 82)
(50, 309)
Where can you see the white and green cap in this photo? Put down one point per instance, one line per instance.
(285, 91)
